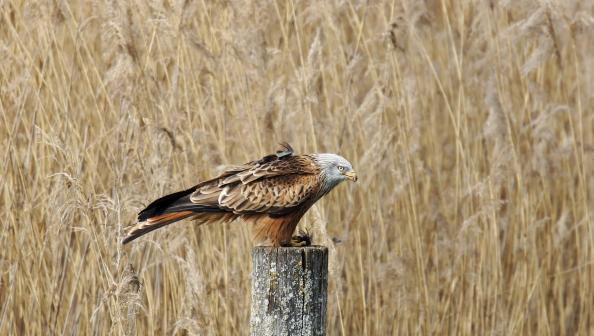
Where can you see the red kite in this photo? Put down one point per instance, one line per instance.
(273, 193)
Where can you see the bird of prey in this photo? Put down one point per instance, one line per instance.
(272, 193)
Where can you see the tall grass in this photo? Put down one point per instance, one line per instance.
(470, 124)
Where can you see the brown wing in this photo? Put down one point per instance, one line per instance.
(275, 185)
(277, 195)
(279, 164)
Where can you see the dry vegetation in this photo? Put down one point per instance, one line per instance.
(470, 124)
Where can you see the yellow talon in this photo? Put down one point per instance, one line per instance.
(298, 241)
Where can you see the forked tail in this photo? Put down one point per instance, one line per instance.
(166, 210)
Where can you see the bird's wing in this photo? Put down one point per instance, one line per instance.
(283, 162)
(276, 196)
(274, 184)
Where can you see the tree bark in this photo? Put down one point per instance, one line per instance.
(289, 291)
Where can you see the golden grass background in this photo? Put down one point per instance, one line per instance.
(470, 124)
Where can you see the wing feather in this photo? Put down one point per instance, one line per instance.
(275, 195)
(275, 184)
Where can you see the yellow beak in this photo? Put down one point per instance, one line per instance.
(351, 175)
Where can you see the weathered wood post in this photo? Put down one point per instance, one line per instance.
(289, 291)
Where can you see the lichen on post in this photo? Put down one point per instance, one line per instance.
(289, 291)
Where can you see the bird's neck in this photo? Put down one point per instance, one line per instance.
(328, 184)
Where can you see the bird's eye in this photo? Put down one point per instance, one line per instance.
(340, 168)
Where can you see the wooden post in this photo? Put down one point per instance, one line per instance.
(289, 291)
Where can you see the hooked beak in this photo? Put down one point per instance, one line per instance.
(351, 175)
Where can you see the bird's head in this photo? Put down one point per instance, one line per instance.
(335, 168)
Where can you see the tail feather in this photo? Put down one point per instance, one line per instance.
(166, 210)
(155, 223)
(166, 204)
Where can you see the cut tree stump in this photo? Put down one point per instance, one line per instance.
(289, 291)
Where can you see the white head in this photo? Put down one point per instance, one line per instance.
(335, 169)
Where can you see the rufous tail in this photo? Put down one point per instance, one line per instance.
(166, 210)
(154, 223)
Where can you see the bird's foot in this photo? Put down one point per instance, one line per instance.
(298, 241)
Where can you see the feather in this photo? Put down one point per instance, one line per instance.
(284, 150)
(155, 223)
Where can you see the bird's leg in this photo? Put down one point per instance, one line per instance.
(298, 241)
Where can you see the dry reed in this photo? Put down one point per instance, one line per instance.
(469, 122)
